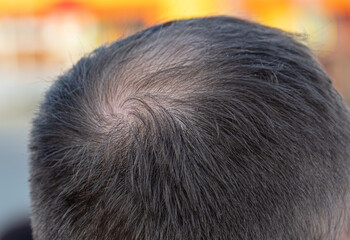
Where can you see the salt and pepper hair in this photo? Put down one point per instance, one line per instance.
(208, 128)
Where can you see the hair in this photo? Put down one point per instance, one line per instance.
(207, 128)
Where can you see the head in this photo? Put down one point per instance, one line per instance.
(208, 128)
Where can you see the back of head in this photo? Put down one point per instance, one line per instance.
(209, 128)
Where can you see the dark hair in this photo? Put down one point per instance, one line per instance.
(208, 128)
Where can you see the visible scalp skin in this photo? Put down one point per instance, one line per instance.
(208, 128)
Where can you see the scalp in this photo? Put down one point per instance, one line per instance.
(213, 128)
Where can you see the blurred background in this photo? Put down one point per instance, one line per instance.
(40, 39)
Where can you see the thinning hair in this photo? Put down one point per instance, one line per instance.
(208, 128)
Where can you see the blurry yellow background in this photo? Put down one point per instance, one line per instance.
(44, 35)
(40, 39)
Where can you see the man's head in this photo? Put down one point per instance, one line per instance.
(210, 128)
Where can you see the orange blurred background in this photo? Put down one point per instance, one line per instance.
(40, 39)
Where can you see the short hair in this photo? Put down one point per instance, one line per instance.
(207, 128)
